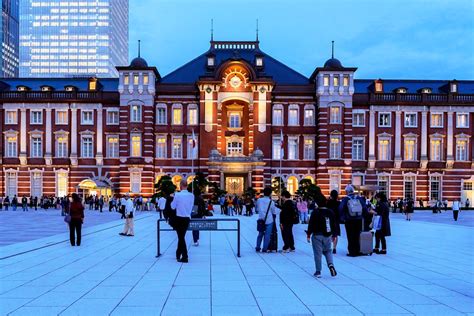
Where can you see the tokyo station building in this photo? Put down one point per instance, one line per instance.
(410, 138)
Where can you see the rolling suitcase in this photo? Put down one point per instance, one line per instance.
(366, 242)
(273, 245)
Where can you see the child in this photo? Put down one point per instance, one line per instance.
(322, 228)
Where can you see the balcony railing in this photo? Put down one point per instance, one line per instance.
(58, 96)
(413, 98)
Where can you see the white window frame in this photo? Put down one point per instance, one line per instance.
(8, 148)
(358, 175)
(136, 113)
(40, 117)
(33, 153)
(135, 181)
(109, 115)
(278, 107)
(191, 154)
(415, 151)
(174, 154)
(193, 107)
(389, 119)
(276, 148)
(335, 152)
(326, 80)
(386, 178)
(165, 153)
(440, 186)
(336, 81)
(83, 118)
(237, 114)
(462, 138)
(113, 153)
(291, 108)
(132, 154)
(407, 123)
(11, 175)
(158, 117)
(409, 177)
(389, 148)
(146, 79)
(458, 125)
(309, 122)
(7, 118)
(58, 173)
(57, 120)
(440, 152)
(362, 150)
(345, 80)
(308, 153)
(173, 108)
(291, 140)
(35, 184)
(335, 119)
(354, 121)
(335, 181)
(234, 151)
(58, 152)
(431, 120)
(91, 136)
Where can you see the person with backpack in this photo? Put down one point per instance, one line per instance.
(322, 232)
(352, 210)
(266, 210)
(288, 217)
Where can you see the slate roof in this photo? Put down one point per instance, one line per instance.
(279, 72)
(413, 86)
(82, 84)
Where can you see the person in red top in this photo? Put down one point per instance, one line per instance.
(76, 210)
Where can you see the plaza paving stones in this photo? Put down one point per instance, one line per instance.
(429, 270)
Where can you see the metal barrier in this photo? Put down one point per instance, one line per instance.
(204, 224)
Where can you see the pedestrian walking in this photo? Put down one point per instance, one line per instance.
(383, 210)
(199, 211)
(467, 203)
(14, 202)
(321, 232)
(183, 204)
(302, 207)
(161, 206)
(24, 203)
(409, 209)
(333, 204)
(6, 202)
(352, 209)
(288, 216)
(101, 203)
(35, 203)
(76, 211)
(266, 211)
(456, 207)
(128, 229)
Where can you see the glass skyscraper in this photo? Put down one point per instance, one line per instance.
(9, 39)
(73, 38)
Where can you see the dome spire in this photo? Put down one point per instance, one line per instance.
(257, 31)
(139, 43)
(212, 30)
(332, 49)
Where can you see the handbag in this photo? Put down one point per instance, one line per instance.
(261, 222)
(67, 218)
(376, 222)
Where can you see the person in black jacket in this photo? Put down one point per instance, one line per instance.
(199, 211)
(333, 205)
(322, 231)
(287, 218)
(383, 210)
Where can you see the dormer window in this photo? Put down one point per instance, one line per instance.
(210, 61)
(126, 79)
(45, 88)
(378, 86)
(22, 88)
(70, 88)
(426, 90)
(93, 84)
(259, 61)
(454, 87)
(401, 90)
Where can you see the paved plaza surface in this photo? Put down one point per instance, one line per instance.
(428, 271)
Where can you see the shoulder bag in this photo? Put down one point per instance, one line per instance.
(261, 222)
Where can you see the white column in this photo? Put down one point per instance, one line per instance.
(450, 140)
(23, 153)
(73, 136)
(48, 154)
(424, 139)
(99, 157)
(262, 109)
(371, 138)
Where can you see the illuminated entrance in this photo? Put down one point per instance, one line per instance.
(234, 185)
(94, 187)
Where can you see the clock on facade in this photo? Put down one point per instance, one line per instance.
(235, 81)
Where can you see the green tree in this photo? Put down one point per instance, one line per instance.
(217, 192)
(278, 185)
(164, 187)
(307, 189)
(199, 183)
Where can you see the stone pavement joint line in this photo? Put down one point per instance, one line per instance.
(113, 275)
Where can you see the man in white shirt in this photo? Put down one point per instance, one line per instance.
(456, 206)
(183, 203)
(263, 205)
(161, 205)
(128, 228)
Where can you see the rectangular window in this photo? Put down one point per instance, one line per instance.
(357, 149)
(409, 187)
(135, 79)
(335, 116)
(145, 79)
(36, 184)
(461, 150)
(292, 148)
(192, 152)
(335, 81)
(135, 182)
(177, 147)
(467, 186)
(36, 147)
(87, 117)
(278, 117)
(161, 116)
(61, 117)
(358, 119)
(61, 184)
(136, 142)
(36, 117)
(11, 117)
(335, 147)
(326, 81)
(462, 120)
(87, 149)
(358, 180)
(436, 120)
(384, 149)
(293, 117)
(308, 152)
(112, 117)
(161, 147)
(345, 81)
(12, 146)
(335, 182)
(385, 119)
(410, 149)
(61, 147)
(192, 116)
(126, 80)
(384, 183)
(136, 113)
(276, 149)
(378, 87)
(435, 188)
(234, 120)
(411, 120)
(177, 116)
(436, 150)
(113, 147)
(12, 184)
(309, 117)
(234, 148)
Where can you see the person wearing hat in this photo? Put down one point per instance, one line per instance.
(128, 228)
(351, 210)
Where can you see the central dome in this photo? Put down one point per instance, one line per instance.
(333, 63)
(139, 63)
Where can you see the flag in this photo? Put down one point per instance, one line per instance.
(194, 145)
(282, 148)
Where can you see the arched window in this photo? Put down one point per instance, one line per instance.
(277, 115)
(293, 115)
(292, 184)
(335, 114)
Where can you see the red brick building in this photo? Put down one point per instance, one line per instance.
(409, 137)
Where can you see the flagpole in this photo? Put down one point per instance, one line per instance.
(282, 152)
(192, 163)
